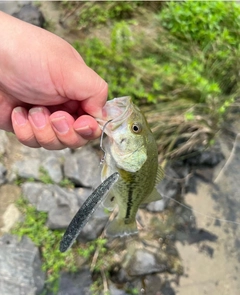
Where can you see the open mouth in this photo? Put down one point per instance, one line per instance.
(116, 111)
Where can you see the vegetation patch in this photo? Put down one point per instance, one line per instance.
(53, 261)
(180, 61)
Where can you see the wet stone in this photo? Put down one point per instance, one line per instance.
(20, 273)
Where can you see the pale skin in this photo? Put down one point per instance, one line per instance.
(49, 97)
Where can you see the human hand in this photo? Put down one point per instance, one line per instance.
(48, 95)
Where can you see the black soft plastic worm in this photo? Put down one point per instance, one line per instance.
(86, 211)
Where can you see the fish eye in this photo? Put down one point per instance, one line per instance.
(136, 128)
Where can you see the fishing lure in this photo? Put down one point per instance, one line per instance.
(86, 211)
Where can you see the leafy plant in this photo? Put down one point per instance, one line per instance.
(202, 22)
(176, 63)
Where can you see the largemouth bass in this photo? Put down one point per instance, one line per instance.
(131, 150)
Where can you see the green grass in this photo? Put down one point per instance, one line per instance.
(181, 60)
(34, 227)
(53, 261)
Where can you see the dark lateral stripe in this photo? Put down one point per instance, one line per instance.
(129, 203)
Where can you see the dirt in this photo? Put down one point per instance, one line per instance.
(205, 274)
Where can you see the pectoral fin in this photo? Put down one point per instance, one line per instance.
(160, 174)
(154, 196)
(109, 202)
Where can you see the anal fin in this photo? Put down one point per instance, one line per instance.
(117, 228)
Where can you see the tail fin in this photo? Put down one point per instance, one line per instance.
(117, 228)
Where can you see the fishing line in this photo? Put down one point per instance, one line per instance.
(229, 160)
(203, 214)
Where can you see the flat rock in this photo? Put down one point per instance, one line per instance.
(82, 167)
(28, 168)
(20, 267)
(144, 262)
(33, 160)
(75, 284)
(52, 165)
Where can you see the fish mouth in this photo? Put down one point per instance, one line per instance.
(115, 112)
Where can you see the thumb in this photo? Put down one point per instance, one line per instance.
(83, 84)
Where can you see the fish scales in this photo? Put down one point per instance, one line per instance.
(131, 150)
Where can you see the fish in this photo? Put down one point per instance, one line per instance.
(131, 150)
(85, 212)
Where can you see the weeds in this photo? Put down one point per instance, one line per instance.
(53, 261)
(34, 227)
(183, 58)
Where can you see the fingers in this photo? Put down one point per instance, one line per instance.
(39, 128)
(22, 128)
(74, 133)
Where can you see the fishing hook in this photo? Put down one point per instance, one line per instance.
(101, 140)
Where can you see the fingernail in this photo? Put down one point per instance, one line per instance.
(19, 116)
(85, 130)
(38, 117)
(60, 124)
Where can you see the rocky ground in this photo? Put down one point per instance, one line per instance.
(180, 250)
